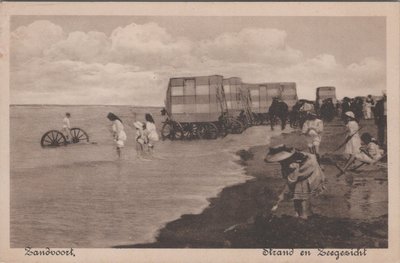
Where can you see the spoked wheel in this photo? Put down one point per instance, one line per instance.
(191, 131)
(222, 131)
(172, 130)
(79, 135)
(208, 130)
(178, 131)
(265, 119)
(53, 138)
(257, 119)
(235, 126)
(167, 131)
(245, 122)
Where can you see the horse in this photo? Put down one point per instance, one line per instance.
(278, 109)
(295, 115)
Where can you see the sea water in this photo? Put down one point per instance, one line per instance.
(82, 195)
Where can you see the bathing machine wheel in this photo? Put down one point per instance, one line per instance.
(234, 126)
(172, 130)
(208, 130)
(79, 135)
(53, 138)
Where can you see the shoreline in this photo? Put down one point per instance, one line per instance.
(239, 216)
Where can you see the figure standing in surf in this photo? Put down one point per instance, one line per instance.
(66, 129)
(118, 132)
(151, 132)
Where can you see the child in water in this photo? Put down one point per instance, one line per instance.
(66, 129)
(118, 132)
(151, 132)
(141, 138)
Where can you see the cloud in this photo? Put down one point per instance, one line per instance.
(366, 67)
(133, 64)
(86, 83)
(80, 46)
(148, 45)
(31, 41)
(252, 44)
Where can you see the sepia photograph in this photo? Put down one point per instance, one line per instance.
(220, 130)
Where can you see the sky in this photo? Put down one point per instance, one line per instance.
(128, 60)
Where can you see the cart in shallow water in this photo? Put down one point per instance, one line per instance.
(197, 109)
(54, 138)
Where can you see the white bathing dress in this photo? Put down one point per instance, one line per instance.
(119, 133)
(152, 132)
(313, 130)
(354, 144)
(66, 128)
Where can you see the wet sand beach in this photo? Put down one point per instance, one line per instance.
(351, 213)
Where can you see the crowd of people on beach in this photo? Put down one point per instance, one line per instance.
(302, 170)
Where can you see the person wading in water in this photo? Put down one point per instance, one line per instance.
(118, 132)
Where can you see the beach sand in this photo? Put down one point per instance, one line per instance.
(351, 213)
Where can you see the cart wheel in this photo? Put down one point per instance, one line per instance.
(265, 119)
(256, 119)
(208, 130)
(79, 135)
(178, 133)
(172, 131)
(186, 131)
(235, 126)
(222, 131)
(189, 131)
(166, 131)
(53, 138)
(192, 131)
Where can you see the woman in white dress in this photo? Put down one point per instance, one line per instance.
(353, 145)
(151, 131)
(313, 128)
(119, 134)
(369, 103)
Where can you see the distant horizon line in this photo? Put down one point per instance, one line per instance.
(46, 104)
